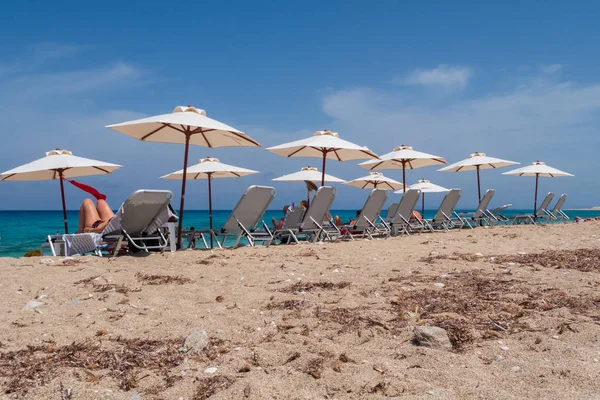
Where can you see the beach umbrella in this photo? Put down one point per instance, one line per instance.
(375, 180)
(537, 169)
(210, 168)
(308, 175)
(425, 186)
(185, 125)
(403, 157)
(324, 144)
(477, 162)
(59, 164)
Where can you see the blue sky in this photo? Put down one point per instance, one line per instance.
(516, 80)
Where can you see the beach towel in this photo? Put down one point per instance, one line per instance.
(88, 189)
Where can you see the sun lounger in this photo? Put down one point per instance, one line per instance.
(556, 215)
(401, 221)
(496, 213)
(312, 226)
(531, 218)
(366, 223)
(446, 216)
(245, 218)
(292, 219)
(480, 216)
(140, 221)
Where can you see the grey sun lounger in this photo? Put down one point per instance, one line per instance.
(401, 222)
(496, 214)
(446, 217)
(366, 223)
(531, 218)
(140, 221)
(313, 224)
(556, 215)
(481, 215)
(292, 219)
(245, 218)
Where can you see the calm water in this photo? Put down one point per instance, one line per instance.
(22, 231)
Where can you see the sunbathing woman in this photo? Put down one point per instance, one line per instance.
(94, 218)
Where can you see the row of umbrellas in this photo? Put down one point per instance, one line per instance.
(190, 126)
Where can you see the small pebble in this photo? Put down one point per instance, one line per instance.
(555, 337)
(515, 369)
(439, 284)
(499, 357)
(478, 255)
(210, 370)
(504, 348)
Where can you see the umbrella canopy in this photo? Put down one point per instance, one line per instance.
(425, 186)
(477, 162)
(210, 168)
(185, 125)
(537, 169)
(403, 157)
(375, 180)
(59, 164)
(308, 175)
(324, 144)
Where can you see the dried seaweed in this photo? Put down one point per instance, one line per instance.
(211, 386)
(309, 286)
(286, 305)
(122, 360)
(315, 367)
(580, 259)
(157, 279)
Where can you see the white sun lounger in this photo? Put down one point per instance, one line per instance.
(531, 218)
(496, 214)
(480, 216)
(366, 223)
(312, 226)
(446, 217)
(139, 220)
(245, 218)
(400, 223)
(292, 219)
(556, 215)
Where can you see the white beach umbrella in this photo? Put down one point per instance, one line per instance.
(308, 175)
(185, 125)
(537, 169)
(425, 186)
(59, 164)
(324, 144)
(210, 168)
(477, 162)
(375, 180)
(403, 157)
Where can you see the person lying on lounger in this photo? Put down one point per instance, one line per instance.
(93, 218)
(278, 224)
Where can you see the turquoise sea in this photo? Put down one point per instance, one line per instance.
(22, 231)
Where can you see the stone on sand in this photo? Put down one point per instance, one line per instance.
(431, 336)
(195, 342)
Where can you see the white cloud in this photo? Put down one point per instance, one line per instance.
(551, 69)
(543, 119)
(443, 75)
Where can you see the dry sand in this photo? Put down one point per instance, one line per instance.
(313, 321)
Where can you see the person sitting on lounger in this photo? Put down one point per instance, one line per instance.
(93, 218)
(338, 221)
(415, 216)
(278, 224)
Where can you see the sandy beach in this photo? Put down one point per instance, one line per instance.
(312, 321)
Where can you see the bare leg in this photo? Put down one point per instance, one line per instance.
(104, 210)
(81, 220)
(90, 214)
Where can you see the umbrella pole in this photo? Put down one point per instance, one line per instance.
(62, 194)
(323, 174)
(478, 186)
(403, 177)
(185, 162)
(210, 216)
(537, 176)
(422, 205)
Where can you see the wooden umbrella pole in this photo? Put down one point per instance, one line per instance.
(181, 204)
(210, 213)
(537, 176)
(64, 206)
(404, 176)
(422, 205)
(323, 172)
(478, 186)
